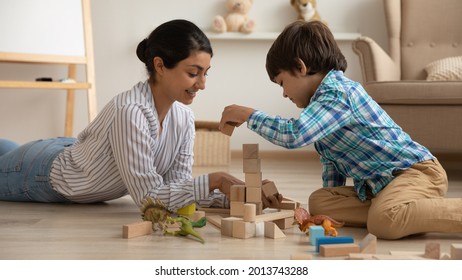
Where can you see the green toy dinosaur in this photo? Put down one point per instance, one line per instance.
(155, 211)
(186, 227)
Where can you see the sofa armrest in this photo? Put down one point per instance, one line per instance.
(416, 92)
(376, 64)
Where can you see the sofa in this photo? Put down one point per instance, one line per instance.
(418, 80)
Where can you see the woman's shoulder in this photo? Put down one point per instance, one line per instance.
(139, 94)
(182, 111)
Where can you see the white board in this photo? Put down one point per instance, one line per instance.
(51, 27)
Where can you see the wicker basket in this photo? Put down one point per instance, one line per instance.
(211, 147)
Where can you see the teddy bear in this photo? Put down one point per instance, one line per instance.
(306, 9)
(236, 20)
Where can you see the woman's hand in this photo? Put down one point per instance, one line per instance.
(235, 115)
(223, 181)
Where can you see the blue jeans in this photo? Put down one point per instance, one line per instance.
(24, 170)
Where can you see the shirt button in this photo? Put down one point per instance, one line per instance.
(254, 126)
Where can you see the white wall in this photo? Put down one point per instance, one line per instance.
(237, 75)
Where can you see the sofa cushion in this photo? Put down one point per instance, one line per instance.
(446, 69)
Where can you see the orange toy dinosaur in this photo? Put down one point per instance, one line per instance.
(305, 220)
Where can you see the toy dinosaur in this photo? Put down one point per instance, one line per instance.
(305, 220)
(186, 227)
(155, 211)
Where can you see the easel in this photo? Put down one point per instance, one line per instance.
(87, 60)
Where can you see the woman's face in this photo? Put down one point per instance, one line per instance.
(182, 82)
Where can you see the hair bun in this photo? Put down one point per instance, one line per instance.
(141, 50)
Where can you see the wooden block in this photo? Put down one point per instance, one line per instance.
(368, 244)
(314, 233)
(237, 193)
(456, 251)
(243, 229)
(250, 151)
(301, 256)
(285, 223)
(259, 206)
(445, 256)
(432, 251)
(253, 179)
(250, 212)
(197, 215)
(297, 203)
(237, 208)
(272, 231)
(260, 229)
(214, 211)
(274, 216)
(214, 220)
(337, 250)
(227, 225)
(333, 240)
(137, 229)
(288, 205)
(228, 129)
(252, 194)
(269, 189)
(252, 165)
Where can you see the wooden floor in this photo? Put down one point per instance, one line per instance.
(57, 231)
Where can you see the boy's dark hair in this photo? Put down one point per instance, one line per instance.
(172, 41)
(312, 42)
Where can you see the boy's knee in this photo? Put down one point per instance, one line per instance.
(383, 227)
(315, 201)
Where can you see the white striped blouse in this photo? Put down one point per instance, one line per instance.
(123, 151)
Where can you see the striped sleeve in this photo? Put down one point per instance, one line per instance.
(132, 147)
(213, 199)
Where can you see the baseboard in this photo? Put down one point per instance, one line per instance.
(449, 161)
(281, 154)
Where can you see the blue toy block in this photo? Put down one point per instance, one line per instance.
(333, 240)
(315, 232)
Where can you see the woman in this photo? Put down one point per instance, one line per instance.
(140, 144)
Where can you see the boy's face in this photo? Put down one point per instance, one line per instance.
(298, 87)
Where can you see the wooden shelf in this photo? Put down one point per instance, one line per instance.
(270, 36)
(43, 85)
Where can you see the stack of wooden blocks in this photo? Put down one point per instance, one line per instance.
(246, 206)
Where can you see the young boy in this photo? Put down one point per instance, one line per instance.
(399, 186)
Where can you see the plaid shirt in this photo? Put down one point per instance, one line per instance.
(354, 136)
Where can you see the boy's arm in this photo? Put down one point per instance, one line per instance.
(330, 176)
(235, 114)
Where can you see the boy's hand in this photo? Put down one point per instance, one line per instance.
(235, 115)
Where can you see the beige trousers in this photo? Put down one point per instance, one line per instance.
(412, 203)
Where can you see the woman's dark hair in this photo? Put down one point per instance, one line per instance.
(172, 41)
(312, 42)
